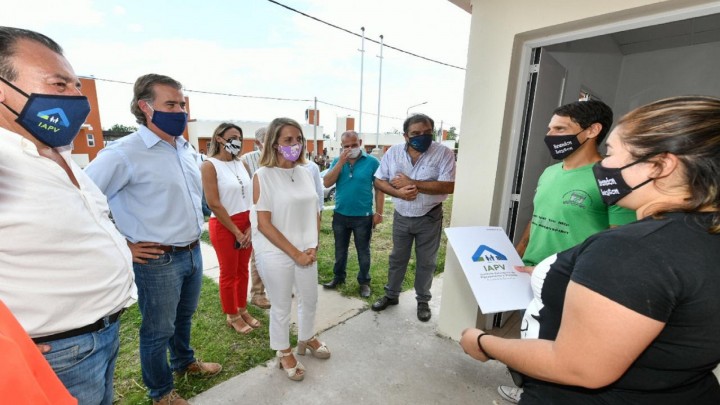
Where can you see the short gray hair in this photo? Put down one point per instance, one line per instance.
(349, 133)
(260, 134)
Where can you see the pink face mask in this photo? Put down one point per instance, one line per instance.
(292, 152)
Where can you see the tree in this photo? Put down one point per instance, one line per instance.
(122, 128)
(452, 134)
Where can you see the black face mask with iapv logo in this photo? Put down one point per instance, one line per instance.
(611, 183)
(53, 120)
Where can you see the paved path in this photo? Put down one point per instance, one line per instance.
(377, 358)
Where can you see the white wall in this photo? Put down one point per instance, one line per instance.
(497, 51)
(650, 76)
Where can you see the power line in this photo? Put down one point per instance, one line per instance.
(210, 92)
(359, 36)
(355, 110)
(214, 93)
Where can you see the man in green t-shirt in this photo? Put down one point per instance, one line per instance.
(567, 207)
(567, 204)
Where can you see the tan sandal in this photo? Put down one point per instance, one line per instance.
(322, 352)
(296, 373)
(239, 324)
(252, 322)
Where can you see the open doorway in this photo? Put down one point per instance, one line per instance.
(624, 69)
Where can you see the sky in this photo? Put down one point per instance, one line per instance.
(258, 48)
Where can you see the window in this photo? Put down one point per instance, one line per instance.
(91, 140)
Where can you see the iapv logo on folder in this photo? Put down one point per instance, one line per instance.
(486, 254)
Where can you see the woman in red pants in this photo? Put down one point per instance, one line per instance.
(227, 186)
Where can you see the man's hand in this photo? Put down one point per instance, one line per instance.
(144, 250)
(344, 156)
(408, 193)
(44, 347)
(401, 181)
(525, 269)
(377, 219)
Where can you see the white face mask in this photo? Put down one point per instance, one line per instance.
(354, 153)
(233, 147)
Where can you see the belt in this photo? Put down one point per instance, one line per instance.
(93, 327)
(168, 248)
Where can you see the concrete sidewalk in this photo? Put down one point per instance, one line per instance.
(377, 358)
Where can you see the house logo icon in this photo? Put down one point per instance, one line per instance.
(485, 253)
(55, 116)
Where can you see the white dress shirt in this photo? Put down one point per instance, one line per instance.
(63, 264)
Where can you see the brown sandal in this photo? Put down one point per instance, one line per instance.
(239, 324)
(249, 320)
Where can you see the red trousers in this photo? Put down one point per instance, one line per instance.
(233, 262)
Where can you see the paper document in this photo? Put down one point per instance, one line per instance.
(487, 258)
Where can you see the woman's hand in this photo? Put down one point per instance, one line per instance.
(305, 258)
(469, 343)
(312, 252)
(243, 239)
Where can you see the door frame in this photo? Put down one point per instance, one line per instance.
(516, 127)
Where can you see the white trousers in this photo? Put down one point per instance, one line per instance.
(280, 273)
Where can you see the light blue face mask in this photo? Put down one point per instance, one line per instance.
(51, 119)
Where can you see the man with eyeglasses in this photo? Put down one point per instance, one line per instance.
(419, 175)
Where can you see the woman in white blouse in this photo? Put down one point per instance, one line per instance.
(286, 222)
(228, 190)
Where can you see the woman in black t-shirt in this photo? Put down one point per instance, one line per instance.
(631, 315)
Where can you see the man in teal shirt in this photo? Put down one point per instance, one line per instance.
(353, 173)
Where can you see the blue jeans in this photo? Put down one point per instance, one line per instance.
(343, 226)
(85, 364)
(168, 294)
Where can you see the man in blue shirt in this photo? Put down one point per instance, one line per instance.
(153, 186)
(419, 175)
(353, 173)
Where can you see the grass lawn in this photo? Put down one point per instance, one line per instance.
(211, 339)
(214, 341)
(380, 248)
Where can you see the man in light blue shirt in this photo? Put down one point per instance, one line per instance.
(353, 174)
(419, 175)
(154, 190)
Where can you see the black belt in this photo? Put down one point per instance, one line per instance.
(93, 327)
(168, 248)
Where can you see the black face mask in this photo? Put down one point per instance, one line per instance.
(562, 146)
(611, 183)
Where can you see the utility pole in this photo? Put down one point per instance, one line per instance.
(377, 135)
(362, 59)
(315, 120)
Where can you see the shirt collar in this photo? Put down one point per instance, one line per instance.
(29, 147)
(151, 139)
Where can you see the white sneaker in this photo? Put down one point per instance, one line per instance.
(510, 394)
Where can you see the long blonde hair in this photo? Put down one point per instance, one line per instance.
(269, 154)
